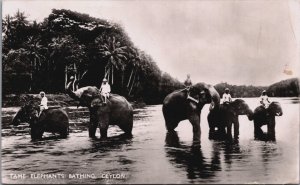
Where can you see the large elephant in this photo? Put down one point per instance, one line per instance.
(117, 111)
(187, 104)
(263, 116)
(54, 120)
(226, 115)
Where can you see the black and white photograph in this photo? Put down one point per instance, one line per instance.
(150, 91)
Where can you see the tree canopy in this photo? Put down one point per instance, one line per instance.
(43, 56)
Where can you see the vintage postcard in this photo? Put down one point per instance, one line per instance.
(150, 92)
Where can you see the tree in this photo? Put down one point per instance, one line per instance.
(67, 53)
(114, 53)
(35, 56)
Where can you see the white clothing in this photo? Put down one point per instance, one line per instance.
(105, 88)
(226, 98)
(264, 100)
(44, 103)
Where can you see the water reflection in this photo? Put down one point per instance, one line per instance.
(152, 156)
(190, 158)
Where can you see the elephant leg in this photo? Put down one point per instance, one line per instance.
(92, 130)
(236, 128)
(229, 131)
(103, 123)
(103, 132)
(36, 133)
(171, 124)
(64, 133)
(211, 124)
(258, 133)
(271, 130)
(222, 131)
(211, 134)
(195, 121)
(93, 125)
(127, 128)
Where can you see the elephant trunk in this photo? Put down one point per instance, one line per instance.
(73, 95)
(250, 115)
(215, 97)
(16, 119)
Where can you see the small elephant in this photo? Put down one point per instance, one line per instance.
(187, 104)
(225, 116)
(266, 116)
(117, 110)
(52, 120)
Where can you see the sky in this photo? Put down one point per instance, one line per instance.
(235, 41)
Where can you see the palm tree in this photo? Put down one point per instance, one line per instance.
(34, 49)
(135, 59)
(114, 53)
(68, 50)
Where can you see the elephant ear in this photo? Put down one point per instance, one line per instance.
(193, 93)
(205, 94)
(97, 102)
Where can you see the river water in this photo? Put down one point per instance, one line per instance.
(152, 155)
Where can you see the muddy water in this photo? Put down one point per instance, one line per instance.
(152, 155)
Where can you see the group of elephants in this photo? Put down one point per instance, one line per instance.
(177, 106)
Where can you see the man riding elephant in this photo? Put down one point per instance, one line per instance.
(266, 116)
(225, 116)
(187, 104)
(116, 111)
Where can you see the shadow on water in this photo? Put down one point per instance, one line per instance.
(113, 142)
(200, 168)
(190, 158)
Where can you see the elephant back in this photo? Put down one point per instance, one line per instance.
(119, 101)
(54, 114)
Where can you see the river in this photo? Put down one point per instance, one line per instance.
(152, 155)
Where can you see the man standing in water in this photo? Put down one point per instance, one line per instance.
(105, 89)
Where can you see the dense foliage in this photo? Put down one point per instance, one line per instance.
(238, 91)
(43, 56)
(285, 88)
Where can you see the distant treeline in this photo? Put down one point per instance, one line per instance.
(43, 56)
(238, 91)
(284, 88)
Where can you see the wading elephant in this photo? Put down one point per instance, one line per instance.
(117, 111)
(187, 104)
(263, 116)
(226, 115)
(52, 120)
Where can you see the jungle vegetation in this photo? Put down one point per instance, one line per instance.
(44, 55)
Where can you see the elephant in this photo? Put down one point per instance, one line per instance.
(117, 110)
(226, 115)
(266, 116)
(187, 104)
(54, 120)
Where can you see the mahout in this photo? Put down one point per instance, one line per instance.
(116, 111)
(186, 104)
(266, 116)
(54, 120)
(226, 115)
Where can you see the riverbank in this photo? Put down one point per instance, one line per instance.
(62, 100)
